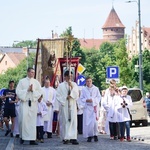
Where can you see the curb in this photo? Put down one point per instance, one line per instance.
(10, 145)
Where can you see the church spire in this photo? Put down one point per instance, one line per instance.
(113, 29)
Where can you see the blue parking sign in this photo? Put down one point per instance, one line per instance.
(112, 72)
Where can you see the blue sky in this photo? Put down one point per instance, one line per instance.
(32, 19)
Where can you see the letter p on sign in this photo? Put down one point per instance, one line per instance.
(113, 71)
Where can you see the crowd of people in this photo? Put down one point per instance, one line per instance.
(31, 109)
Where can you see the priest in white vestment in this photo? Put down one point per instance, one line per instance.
(67, 94)
(90, 99)
(28, 91)
(49, 96)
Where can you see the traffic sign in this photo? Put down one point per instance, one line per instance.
(81, 80)
(112, 72)
(1, 91)
(80, 69)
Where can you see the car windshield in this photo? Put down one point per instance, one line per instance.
(136, 95)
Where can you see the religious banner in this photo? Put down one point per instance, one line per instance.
(48, 52)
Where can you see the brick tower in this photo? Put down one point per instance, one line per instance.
(113, 29)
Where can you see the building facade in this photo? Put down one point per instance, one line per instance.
(133, 40)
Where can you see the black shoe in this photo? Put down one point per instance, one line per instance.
(49, 135)
(89, 139)
(75, 142)
(7, 132)
(33, 143)
(17, 135)
(95, 138)
(71, 140)
(80, 133)
(65, 141)
(11, 134)
(21, 141)
(115, 138)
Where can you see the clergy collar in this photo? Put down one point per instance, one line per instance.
(90, 87)
(28, 78)
(66, 82)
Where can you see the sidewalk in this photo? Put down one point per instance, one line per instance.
(6, 143)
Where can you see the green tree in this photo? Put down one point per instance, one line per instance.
(107, 48)
(95, 67)
(121, 60)
(146, 66)
(146, 71)
(76, 50)
(27, 43)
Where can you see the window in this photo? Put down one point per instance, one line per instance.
(136, 95)
(5, 62)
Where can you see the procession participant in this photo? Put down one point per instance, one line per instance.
(124, 104)
(16, 127)
(1, 113)
(90, 98)
(56, 110)
(10, 99)
(42, 111)
(110, 103)
(102, 118)
(49, 96)
(112, 83)
(56, 125)
(79, 115)
(147, 101)
(107, 94)
(28, 91)
(67, 95)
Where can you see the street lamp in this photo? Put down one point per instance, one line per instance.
(140, 47)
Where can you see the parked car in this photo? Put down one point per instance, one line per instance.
(138, 110)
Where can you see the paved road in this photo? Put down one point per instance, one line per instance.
(103, 143)
(4, 141)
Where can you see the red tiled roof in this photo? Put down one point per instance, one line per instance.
(16, 57)
(113, 20)
(91, 43)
